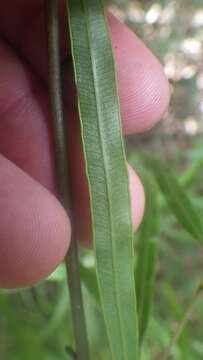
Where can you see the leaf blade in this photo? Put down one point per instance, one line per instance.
(107, 173)
(176, 197)
(147, 255)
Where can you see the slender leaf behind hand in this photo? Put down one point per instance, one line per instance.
(107, 173)
(146, 258)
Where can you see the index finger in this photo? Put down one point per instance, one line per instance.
(143, 87)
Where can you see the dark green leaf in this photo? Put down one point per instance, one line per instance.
(21, 335)
(177, 198)
(147, 256)
(178, 312)
(107, 173)
(191, 173)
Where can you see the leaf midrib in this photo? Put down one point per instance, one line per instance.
(106, 181)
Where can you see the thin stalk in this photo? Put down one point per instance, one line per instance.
(182, 325)
(62, 169)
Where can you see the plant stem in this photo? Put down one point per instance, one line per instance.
(62, 169)
(182, 325)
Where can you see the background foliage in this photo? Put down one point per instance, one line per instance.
(36, 322)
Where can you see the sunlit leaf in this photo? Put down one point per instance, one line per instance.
(89, 278)
(107, 173)
(59, 274)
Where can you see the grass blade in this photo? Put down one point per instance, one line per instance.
(107, 173)
(146, 262)
(177, 198)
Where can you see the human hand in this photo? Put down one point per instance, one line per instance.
(34, 229)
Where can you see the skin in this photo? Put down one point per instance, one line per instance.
(34, 229)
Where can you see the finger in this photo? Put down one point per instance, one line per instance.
(82, 218)
(34, 229)
(137, 198)
(25, 135)
(143, 87)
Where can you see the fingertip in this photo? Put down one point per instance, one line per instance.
(137, 198)
(143, 87)
(51, 236)
(147, 99)
(34, 229)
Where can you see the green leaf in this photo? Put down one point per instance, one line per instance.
(22, 337)
(147, 286)
(87, 273)
(176, 197)
(106, 172)
(183, 323)
(61, 309)
(59, 274)
(178, 312)
(198, 347)
(172, 301)
(191, 173)
(146, 259)
(200, 287)
(89, 278)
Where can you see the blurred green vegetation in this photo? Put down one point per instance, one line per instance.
(35, 323)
